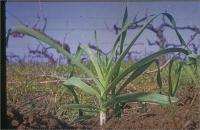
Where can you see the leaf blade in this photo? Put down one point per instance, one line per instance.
(83, 86)
(144, 97)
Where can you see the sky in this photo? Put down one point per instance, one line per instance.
(76, 22)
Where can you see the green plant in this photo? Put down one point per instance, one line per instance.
(109, 74)
(190, 67)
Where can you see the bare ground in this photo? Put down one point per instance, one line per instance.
(184, 114)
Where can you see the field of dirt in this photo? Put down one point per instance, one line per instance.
(184, 114)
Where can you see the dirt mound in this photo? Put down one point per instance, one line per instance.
(33, 120)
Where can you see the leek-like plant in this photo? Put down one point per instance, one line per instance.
(109, 74)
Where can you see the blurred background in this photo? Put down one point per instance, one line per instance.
(71, 24)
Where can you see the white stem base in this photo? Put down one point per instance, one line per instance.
(102, 118)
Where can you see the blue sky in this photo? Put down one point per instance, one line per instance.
(79, 20)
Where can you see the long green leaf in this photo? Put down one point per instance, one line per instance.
(170, 92)
(93, 57)
(159, 80)
(83, 86)
(122, 38)
(79, 52)
(171, 19)
(143, 97)
(103, 62)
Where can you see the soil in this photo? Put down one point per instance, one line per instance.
(184, 114)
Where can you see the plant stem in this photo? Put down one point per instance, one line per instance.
(102, 118)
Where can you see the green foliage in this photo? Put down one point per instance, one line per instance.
(190, 69)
